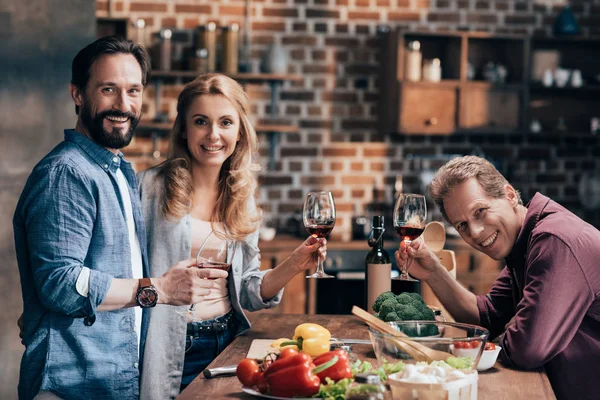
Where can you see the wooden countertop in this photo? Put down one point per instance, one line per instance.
(497, 383)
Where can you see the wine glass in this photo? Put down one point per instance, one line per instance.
(410, 213)
(319, 219)
(212, 254)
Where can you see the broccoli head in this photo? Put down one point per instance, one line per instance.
(388, 306)
(405, 298)
(380, 299)
(392, 317)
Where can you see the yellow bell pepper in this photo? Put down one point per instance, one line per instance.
(277, 344)
(312, 339)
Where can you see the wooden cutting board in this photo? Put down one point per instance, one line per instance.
(260, 348)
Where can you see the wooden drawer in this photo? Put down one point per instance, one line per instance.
(427, 109)
(484, 108)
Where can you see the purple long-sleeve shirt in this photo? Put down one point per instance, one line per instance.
(551, 285)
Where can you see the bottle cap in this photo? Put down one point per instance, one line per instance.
(377, 222)
(371, 379)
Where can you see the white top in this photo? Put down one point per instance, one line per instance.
(83, 280)
(217, 303)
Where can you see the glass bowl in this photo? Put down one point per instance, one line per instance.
(441, 337)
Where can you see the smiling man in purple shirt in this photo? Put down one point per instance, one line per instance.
(546, 301)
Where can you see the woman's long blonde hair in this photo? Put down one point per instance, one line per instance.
(237, 180)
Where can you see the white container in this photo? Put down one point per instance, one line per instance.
(412, 65)
(432, 70)
(460, 389)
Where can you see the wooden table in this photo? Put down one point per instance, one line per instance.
(497, 383)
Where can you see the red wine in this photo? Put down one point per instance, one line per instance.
(214, 264)
(409, 232)
(319, 230)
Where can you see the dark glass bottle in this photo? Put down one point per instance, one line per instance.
(378, 265)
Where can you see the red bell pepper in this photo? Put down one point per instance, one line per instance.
(295, 376)
(340, 370)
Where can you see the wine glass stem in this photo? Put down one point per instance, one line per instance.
(404, 271)
(319, 266)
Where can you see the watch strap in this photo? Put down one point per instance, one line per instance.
(145, 282)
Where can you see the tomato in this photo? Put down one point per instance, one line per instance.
(248, 372)
(490, 346)
(288, 352)
(467, 345)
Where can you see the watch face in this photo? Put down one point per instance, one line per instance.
(147, 296)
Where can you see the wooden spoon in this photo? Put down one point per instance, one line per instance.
(417, 350)
(435, 236)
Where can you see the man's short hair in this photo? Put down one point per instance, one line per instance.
(458, 170)
(83, 61)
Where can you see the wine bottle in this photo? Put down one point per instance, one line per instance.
(378, 265)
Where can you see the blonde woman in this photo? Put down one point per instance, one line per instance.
(208, 184)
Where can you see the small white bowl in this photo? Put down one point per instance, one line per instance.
(266, 233)
(487, 360)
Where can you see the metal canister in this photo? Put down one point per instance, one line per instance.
(206, 38)
(230, 48)
(166, 50)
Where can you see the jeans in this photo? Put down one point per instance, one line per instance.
(202, 349)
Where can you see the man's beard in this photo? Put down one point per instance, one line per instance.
(112, 140)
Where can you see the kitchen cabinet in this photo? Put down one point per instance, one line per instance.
(482, 86)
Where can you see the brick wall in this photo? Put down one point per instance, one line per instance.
(333, 45)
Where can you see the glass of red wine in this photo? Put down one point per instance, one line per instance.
(319, 220)
(213, 253)
(410, 213)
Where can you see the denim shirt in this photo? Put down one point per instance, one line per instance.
(70, 214)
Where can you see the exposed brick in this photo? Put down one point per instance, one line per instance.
(339, 151)
(341, 56)
(356, 110)
(357, 180)
(295, 166)
(319, 69)
(184, 8)
(321, 2)
(403, 16)
(300, 27)
(321, 13)
(314, 138)
(168, 22)
(443, 17)
(442, 4)
(319, 83)
(482, 5)
(362, 69)
(340, 97)
(534, 153)
(377, 166)
(502, 5)
(280, 12)
(343, 42)
(319, 55)
(302, 96)
(316, 124)
(361, 3)
(292, 110)
(295, 194)
(298, 151)
(341, 28)
(300, 40)
(271, 180)
(321, 27)
(290, 207)
(231, 10)
(318, 180)
(336, 166)
(342, 2)
(316, 167)
(353, 15)
(357, 166)
(383, 3)
(314, 111)
(379, 152)
(482, 18)
(268, 26)
(274, 194)
(520, 19)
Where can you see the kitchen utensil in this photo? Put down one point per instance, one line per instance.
(418, 351)
(219, 371)
(435, 236)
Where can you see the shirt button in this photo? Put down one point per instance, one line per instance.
(105, 166)
(115, 159)
(135, 365)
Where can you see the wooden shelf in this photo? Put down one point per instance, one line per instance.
(424, 84)
(565, 89)
(164, 127)
(499, 86)
(244, 77)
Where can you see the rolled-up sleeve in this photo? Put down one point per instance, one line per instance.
(252, 278)
(497, 307)
(59, 214)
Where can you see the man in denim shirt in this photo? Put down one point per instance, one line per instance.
(81, 245)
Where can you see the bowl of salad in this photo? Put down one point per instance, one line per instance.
(488, 357)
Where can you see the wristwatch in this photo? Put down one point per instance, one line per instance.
(147, 295)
